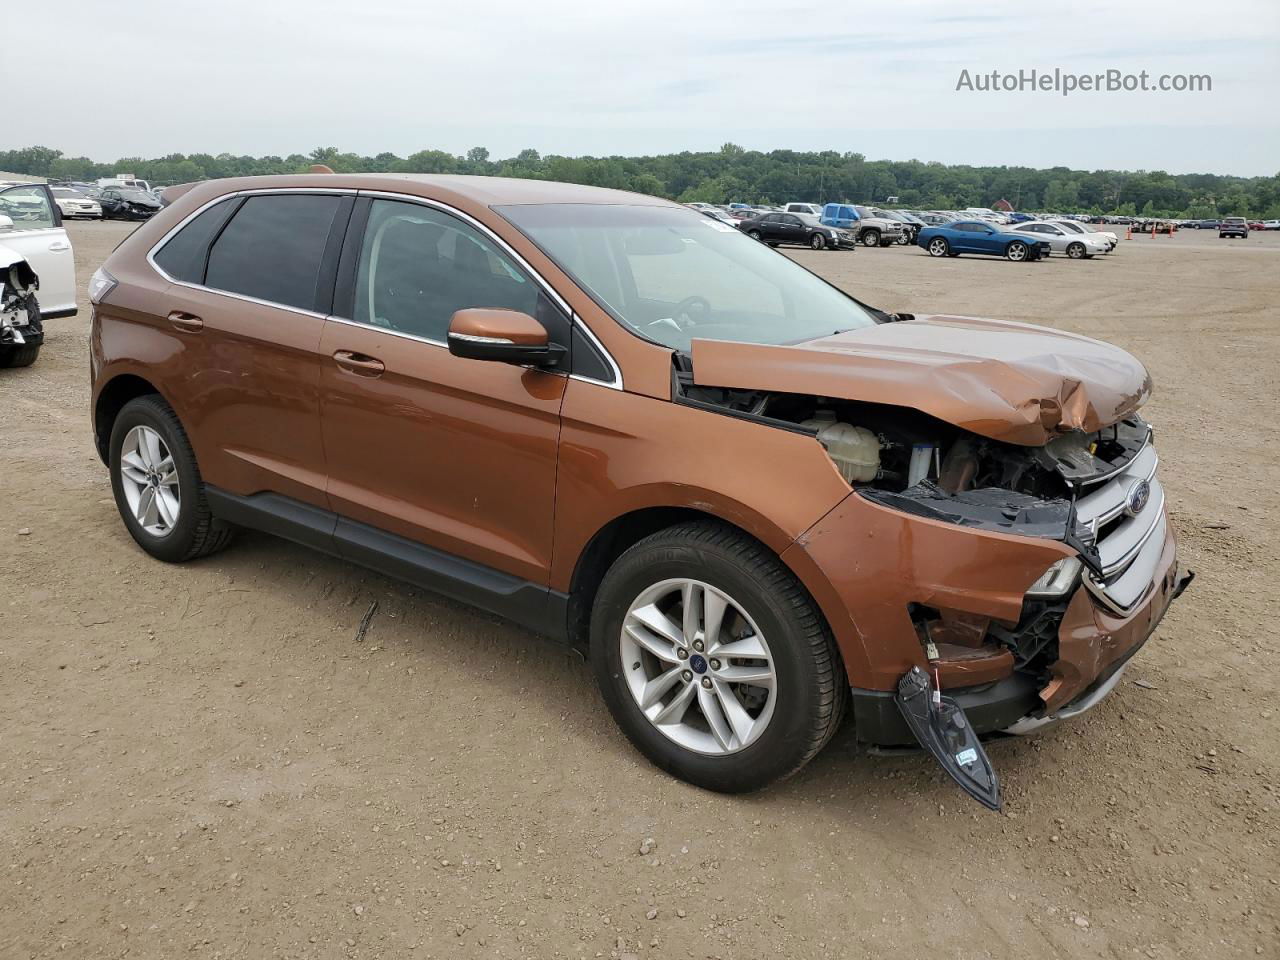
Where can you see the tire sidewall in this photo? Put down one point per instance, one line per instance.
(177, 544)
(871, 238)
(1017, 244)
(773, 754)
(1076, 251)
(940, 251)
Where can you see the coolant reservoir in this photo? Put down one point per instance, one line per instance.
(854, 450)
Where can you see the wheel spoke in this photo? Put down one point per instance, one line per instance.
(167, 469)
(167, 509)
(760, 675)
(132, 466)
(658, 622)
(147, 507)
(746, 647)
(674, 711)
(713, 607)
(691, 594)
(709, 704)
(739, 719)
(656, 688)
(660, 647)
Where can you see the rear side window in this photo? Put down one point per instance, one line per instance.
(272, 248)
(183, 257)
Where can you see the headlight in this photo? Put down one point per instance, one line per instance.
(1057, 580)
(100, 284)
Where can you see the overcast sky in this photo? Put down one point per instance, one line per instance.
(152, 77)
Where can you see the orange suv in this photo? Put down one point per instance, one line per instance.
(757, 504)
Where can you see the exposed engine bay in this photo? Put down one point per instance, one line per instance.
(912, 462)
(20, 323)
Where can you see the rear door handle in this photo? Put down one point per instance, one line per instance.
(59, 245)
(359, 364)
(188, 322)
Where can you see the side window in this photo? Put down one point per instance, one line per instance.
(183, 257)
(418, 266)
(271, 249)
(27, 206)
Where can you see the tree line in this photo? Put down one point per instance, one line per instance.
(734, 173)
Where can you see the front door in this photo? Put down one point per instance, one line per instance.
(456, 454)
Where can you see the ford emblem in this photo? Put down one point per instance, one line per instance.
(1136, 499)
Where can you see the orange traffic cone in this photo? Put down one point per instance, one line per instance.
(1153, 231)
(1128, 232)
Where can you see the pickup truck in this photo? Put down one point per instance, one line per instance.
(871, 231)
(37, 270)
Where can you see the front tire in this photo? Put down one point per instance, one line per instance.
(938, 247)
(1017, 251)
(714, 660)
(1075, 251)
(818, 242)
(157, 484)
(18, 356)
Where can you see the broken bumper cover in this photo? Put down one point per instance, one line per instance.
(976, 572)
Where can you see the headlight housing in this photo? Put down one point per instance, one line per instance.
(100, 284)
(1058, 580)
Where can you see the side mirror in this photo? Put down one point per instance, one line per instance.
(508, 336)
(6, 223)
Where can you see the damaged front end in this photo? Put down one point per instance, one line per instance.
(20, 324)
(1016, 578)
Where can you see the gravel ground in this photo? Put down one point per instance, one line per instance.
(200, 760)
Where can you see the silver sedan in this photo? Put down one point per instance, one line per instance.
(1077, 246)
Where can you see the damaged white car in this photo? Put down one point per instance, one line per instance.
(37, 270)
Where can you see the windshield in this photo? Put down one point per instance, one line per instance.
(674, 276)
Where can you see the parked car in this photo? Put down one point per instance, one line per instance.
(1257, 225)
(126, 203)
(36, 237)
(1208, 224)
(871, 230)
(1110, 239)
(812, 209)
(910, 224)
(1061, 239)
(707, 437)
(980, 237)
(73, 204)
(1233, 227)
(796, 229)
(1271, 224)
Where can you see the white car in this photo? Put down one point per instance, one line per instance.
(1063, 240)
(1087, 229)
(73, 203)
(810, 208)
(31, 227)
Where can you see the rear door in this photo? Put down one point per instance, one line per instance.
(37, 234)
(252, 281)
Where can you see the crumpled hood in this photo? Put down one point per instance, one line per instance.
(1009, 381)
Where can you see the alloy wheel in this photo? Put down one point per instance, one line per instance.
(938, 247)
(149, 479)
(698, 667)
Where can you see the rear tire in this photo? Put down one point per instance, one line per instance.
(808, 690)
(753, 234)
(194, 532)
(871, 238)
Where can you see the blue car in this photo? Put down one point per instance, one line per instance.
(978, 236)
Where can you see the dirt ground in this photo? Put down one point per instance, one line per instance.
(200, 760)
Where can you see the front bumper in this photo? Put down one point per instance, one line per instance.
(868, 566)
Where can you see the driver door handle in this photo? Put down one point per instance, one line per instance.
(187, 322)
(358, 363)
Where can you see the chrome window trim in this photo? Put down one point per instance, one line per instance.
(574, 318)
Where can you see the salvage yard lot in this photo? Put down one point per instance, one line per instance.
(201, 759)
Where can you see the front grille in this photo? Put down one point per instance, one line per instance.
(1129, 541)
